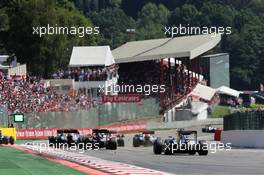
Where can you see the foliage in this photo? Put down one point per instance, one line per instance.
(221, 111)
(148, 17)
(245, 44)
(113, 23)
(151, 21)
(50, 52)
(256, 106)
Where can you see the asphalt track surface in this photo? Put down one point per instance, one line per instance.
(233, 162)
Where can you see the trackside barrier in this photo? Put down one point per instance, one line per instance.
(244, 138)
(44, 133)
(35, 133)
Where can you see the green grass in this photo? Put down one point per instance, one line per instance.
(221, 111)
(19, 142)
(257, 106)
(16, 162)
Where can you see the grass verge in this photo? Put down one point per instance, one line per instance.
(221, 111)
(16, 162)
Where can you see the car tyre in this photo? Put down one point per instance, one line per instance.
(168, 148)
(51, 140)
(12, 140)
(121, 142)
(157, 146)
(111, 144)
(203, 152)
(5, 140)
(135, 142)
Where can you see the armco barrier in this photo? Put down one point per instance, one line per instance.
(45, 133)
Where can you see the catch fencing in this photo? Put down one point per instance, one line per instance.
(248, 120)
(104, 114)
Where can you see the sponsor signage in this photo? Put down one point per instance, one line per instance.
(45, 133)
(123, 98)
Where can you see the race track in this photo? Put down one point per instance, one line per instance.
(235, 161)
(226, 162)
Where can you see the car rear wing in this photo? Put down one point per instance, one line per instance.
(68, 131)
(106, 131)
(187, 132)
(148, 132)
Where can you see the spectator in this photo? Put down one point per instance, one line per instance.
(29, 95)
(86, 74)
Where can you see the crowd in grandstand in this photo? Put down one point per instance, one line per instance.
(29, 94)
(177, 81)
(85, 74)
(175, 78)
(139, 73)
(234, 102)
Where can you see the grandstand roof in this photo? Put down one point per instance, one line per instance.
(228, 91)
(179, 47)
(204, 92)
(3, 58)
(91, 56)
(2, 67)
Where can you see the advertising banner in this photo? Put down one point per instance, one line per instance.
(45, 133)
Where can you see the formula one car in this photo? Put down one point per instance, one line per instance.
(100, 138)
(103, 138)
(6, 140)
(183, 143)
(120, 140)
(146, 138)
(209, 129)
(65, 136)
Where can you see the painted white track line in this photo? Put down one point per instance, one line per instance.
(115, 168)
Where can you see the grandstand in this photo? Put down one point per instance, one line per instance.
(173, 62)
(91, 68)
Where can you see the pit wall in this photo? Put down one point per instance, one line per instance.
(244, 138)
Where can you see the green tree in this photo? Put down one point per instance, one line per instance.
(247, 56)
(185, 15)
(113, 23)
(50, 52)
(151, 21)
